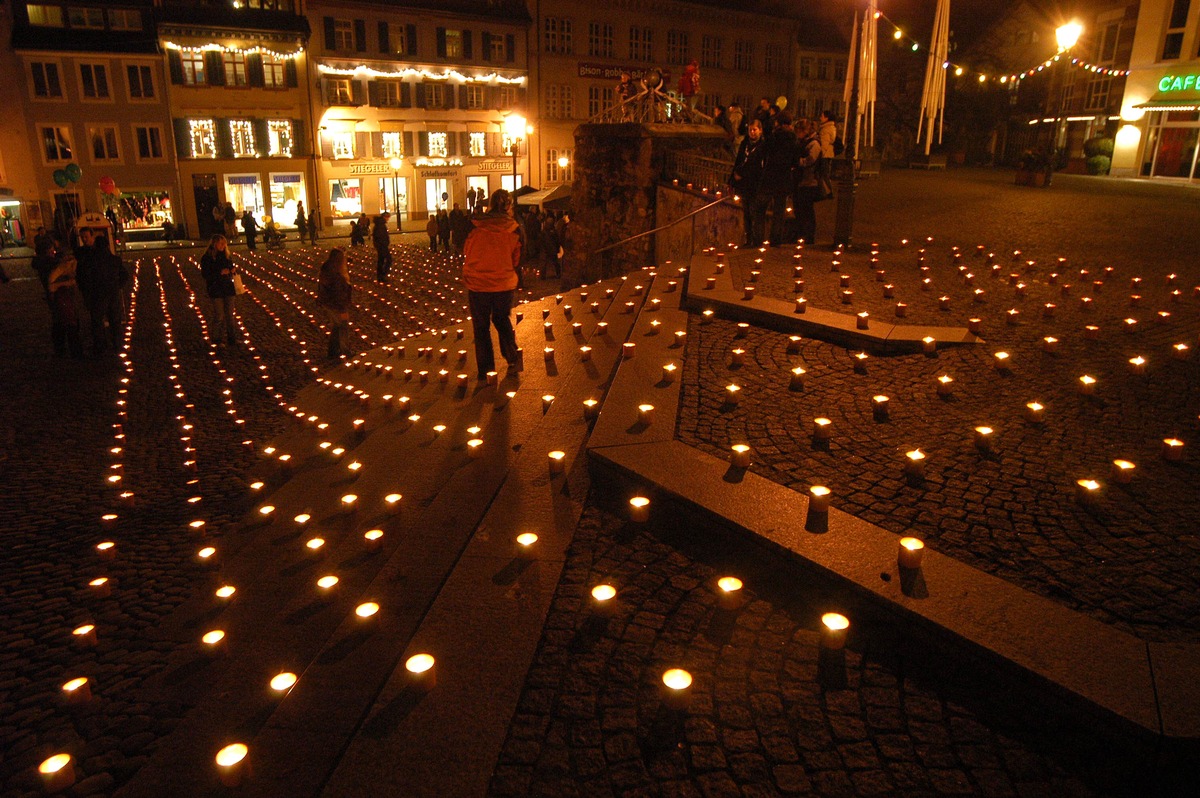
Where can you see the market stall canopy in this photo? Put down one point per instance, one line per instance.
(557, 198)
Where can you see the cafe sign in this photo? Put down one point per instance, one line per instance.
(1174, 83)
(371, 168)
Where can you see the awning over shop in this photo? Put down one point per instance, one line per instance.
(557, 198)
(1175, 103)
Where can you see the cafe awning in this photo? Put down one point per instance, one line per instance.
(557, 198)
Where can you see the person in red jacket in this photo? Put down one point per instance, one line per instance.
(492, 257)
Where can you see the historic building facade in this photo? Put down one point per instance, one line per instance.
(417, 103)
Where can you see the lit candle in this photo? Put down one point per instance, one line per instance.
(77, 691)
(1172, 450)
(677, 684)
(232, 765)
(860, 362)
(862, 320)
(422, 670)
(737, 357)
(57, 773)
(391, 503)
(349, 502)
(797, 380)
(914, 464)
(818, 499)
(901, 310)
(1050, 344)
(1181, 351)
(627, 349)
(668, 372)
(729, 592)
(945, 385)
(1122, 471)
(602, 599)
(547, 401)
(100, 587)
(585, 354)
(1087, 385)
(326, 586)
(822, 429)
(911, 552)
(590, 409)
(983, 438)
(747, 292)
(474, 448)
(639, 509)
(1035, 412)
(1001, 361)
(794, 343)
(1137, 365)
(834, 628)
(740, 456)
(733, 394)
(548, 353)
(84, 636)
(373, 537)
(367, 613)
(283, 682)
(557, 461)
(929, 345)
(646, 414)
(879, 407)
(801, 305)
(212, 642)
(1086, 490)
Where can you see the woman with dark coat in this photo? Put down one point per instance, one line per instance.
(217, 270)
(333, 298)
(746, 179)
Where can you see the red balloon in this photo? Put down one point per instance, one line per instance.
(107, 184)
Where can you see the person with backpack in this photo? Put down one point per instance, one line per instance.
(827, 136)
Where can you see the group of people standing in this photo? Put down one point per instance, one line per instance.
(449, 229)
(88, 277)
(781, 160)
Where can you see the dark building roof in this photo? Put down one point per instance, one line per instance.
(221, 15)
(66, 39)
(515, 11)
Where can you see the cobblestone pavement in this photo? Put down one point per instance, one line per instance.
(906, 720)
(1129, 558)
(57, 422)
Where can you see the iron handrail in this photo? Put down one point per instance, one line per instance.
(672, 223)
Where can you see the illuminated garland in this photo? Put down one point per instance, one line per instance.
(424, 74)
(900, 36)
(212, 47)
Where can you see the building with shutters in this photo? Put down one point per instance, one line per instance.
(89, 88)
(239, 109)
(411, 101)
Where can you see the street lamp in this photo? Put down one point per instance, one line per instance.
(563, 163)
(396, 163)
(516, 127)
(1067, 35)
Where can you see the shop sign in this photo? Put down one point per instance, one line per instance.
(493, 166)
(1170, 83)
(434, 173)
(371, 168)
(609, 71)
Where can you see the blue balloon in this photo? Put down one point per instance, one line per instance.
(73, 172)
(60, 178)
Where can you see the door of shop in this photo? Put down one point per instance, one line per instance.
(204, 187)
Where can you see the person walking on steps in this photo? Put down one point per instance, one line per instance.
(333, 299)
(490, 273)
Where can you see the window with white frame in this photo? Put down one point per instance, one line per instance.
(600, 39)
(193, 68)
(341, 91)
(677, 47)
(1097, 93)
(558, 36)
(273, 71)
(149, 142)
(823, 68)
(93, 80)
(342, 144)
(280, 137)
(507, 97)
(641, 43)
(393, 144)
(387, 93)
(476, 97)
(478, 145)
(773, 61)
(46, 84)
(202, 138)
(454, 44)
(1176, 28)
(560, 101)
(241, 134)
(56, 143)
(599, 98)
(555, 173)
(103, 142)
(435, 95)
(81, 17)
(235, 69)
(343, 34)
(806, 68)
(141, 82)
(437, 144)
(743, 55)
(710, 51)
(124, 19)
(46, 16)
(507, 142)
(497, 49)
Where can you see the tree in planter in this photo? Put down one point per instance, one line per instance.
(1099, 152)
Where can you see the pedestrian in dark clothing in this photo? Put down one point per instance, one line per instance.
(312, 227)
(359, 230)
(763, 114)
(64, 308)
(460, 228)
(301, 222)
(333, 300)
(431, 230)
(471, 199)
(777, 182)
(745, 180)
(100, 276)
(229, 220)
(807, 186)
(443, 220)
(216, 268)
(490, 272)
(383, 247)
(250, 228)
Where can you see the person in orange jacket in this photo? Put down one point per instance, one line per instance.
(491, 272)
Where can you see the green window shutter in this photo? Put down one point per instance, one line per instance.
(175, 66)
(406, 92)
(289, 73)
(384, 43)
(510, 48)
(441, 42)
(463, 93)
(486, 44)
(410, 40)
(373, 93)
(376, 144)
(330, 36)
(299, 139)
(419, 95)
(214, 67)
(466, 40)
(408, 144)
(262, 137)
(224, 138)
(423, 139)
(358, 92)
(360, 35)
(183, 142)
(362, 144)
(449, 97)
(254, 70)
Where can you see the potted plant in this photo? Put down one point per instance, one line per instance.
(1033, 169)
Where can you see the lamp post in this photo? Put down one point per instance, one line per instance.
(1066, 37)
(563, 163)
(844, 215)
(396, 163)
(517, 128)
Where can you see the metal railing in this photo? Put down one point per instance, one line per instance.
(651, 106)
(606, 254)
(698, 171)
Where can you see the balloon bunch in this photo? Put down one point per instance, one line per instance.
(108, 186)
(69, 174)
